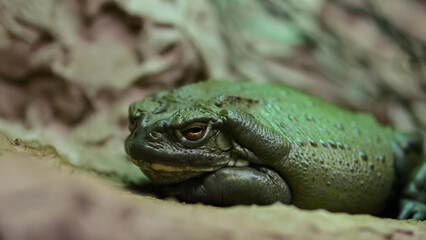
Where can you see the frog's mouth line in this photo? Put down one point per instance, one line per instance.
(169, 174)
(238, 163)
(170, 168)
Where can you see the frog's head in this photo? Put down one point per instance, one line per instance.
(200, 128)
(172, 142)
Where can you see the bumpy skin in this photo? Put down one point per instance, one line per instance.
(267, 143)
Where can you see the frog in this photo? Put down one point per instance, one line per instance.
(229, 143)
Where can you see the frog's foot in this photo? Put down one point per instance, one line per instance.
(412, 209)
(236, 185)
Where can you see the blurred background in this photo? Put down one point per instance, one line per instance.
(70, 68)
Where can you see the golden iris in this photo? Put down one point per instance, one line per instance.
(194, 132)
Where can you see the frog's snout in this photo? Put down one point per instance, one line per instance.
(142, 136)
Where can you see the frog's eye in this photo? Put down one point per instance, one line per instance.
(195, 131)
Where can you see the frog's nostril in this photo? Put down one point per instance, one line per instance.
(161, 126)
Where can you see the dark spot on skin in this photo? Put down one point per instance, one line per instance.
(363, 156)
(340, 145)
(313, 143)
(162, 108)
(325, 131)
(292, 118)
(340, 126)
(313, 179)
(382, 158)
(300, 142)
(218, 103)
(358, 132)
(323, 143)
(371, 166)
(310, 118)
(234, 100)
(348, 147)
(332, 143)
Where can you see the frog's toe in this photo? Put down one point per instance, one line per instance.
(412, 209)
(419, 215)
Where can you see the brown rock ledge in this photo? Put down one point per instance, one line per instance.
(40, 202)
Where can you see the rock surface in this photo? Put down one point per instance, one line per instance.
(45, 202)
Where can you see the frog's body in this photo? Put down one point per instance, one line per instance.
(300, 149)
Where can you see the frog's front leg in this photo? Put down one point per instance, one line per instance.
(414, 203)
(236, 185)
(262, 145)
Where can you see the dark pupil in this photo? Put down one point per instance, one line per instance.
(195, 130)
